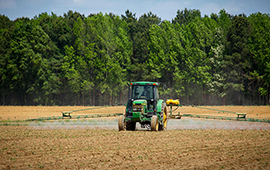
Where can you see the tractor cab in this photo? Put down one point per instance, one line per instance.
(144, 92)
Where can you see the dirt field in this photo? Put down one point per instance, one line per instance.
(27, 148)
(61, 147)
(31, 112)
(257, 112)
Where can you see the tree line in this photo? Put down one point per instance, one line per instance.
(74, 59)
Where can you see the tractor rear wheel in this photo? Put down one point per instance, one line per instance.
(121, 123)
(154, 123)
(130, 125)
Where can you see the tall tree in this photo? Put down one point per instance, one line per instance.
(25, 63)
(113, 50)
(224, 19)
(165, 48)
(237, 60)
(140, 46)
(217, 86)
(259, 47)
(186, 16)
(6, 29)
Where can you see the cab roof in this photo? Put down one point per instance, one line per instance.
(144, 83)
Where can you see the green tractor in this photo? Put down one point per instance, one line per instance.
(145, 107)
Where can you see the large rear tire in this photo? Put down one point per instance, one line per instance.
(154, 123)
(121, 123)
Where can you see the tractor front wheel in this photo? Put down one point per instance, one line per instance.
(154, 123)
(121, 123)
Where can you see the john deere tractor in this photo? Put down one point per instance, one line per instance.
(145, 107)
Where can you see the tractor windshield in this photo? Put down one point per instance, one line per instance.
(143, 92)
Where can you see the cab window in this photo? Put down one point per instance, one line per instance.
(142, 92)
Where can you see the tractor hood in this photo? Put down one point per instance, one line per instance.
(139, 102)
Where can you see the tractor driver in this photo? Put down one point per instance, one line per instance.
(148, 92)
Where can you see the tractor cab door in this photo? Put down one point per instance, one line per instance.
(156, 96)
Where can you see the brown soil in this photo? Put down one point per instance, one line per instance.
(257, 112)
(28, 148)
(87, 148)
(31, 112)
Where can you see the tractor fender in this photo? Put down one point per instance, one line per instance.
(159, 105)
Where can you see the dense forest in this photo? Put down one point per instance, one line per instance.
(74, 59)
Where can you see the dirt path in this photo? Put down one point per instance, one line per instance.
(173, 124)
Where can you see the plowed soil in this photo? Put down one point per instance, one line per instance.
(32, 147)
(27, 148)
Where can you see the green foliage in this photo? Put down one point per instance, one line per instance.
(260, 49)
(237, 61)
(186, 16)
(73, 59)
